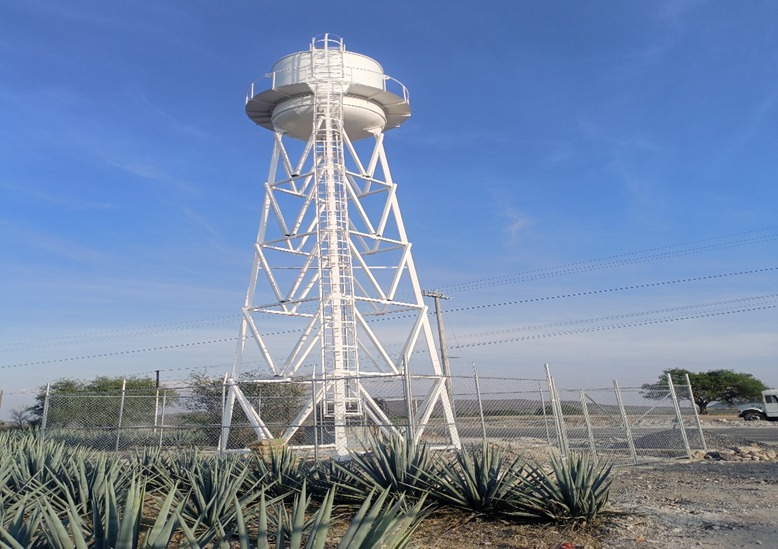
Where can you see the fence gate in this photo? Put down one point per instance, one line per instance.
(630, 424)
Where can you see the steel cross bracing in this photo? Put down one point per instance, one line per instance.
(331, 255)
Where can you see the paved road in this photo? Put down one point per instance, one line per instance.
(768, 433)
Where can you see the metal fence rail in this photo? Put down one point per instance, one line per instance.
(622, 425)
(631, 424)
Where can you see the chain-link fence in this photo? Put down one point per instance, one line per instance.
(508, 410)
(631, 424)
(623, 425)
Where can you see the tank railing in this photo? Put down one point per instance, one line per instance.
(323, 41)
(392, 85)
(395, 84)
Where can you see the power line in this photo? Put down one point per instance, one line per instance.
(473, 307)
(546, 272)
(715, 305)
(123, 332)
(612, 290)
(119, 353)
(616, 326)
(614, 260)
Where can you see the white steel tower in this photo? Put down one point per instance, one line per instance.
(333, 284)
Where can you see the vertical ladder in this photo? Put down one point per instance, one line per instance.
(338, 318)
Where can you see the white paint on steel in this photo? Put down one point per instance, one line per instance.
(332, 252)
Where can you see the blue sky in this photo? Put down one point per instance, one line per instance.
(543, 134)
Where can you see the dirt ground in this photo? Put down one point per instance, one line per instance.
(673, 504)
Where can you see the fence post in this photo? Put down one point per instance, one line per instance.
(222, 423)
(678, 415)
(162, 420)
(545, 416)
(559, 420)
(156, 408)
(480, 402)
(696, 415)
(45, 417)
(315, 418)
(625, 422)
(407, 389)
(589, 431)
(121, 414)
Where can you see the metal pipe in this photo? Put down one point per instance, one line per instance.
(625, 422)
(121, 414)
(480, 402)
(696, 415)
(678, 415)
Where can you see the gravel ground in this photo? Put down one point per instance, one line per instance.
(697, 504)
(672, 504)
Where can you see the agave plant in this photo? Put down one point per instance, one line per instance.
(396, 464)
(324, 475)
(376, 525)
(480, 480)
(82, 479)
(21, 529)
(575, 489)
(113, 527)
(282, 471)
(214, 486)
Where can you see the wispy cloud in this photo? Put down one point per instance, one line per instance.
(52, 244)
(438, 139)
(762, 113)
(68, 202)
(516, 221)
(147, 170)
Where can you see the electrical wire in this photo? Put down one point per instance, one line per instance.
(611, 261)
(546, 272)
(720, 305)
(612, 290)
(616, 326)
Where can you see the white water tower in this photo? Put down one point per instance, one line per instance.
(334, 295)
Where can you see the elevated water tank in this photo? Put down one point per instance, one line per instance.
(372, 101)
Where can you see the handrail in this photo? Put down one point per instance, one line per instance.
(325, 40)
(386, 79)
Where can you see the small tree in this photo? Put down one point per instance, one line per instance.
(712, 386)
(20, 417)
(277, 403)
(83, 404)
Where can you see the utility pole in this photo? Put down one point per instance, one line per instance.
(437, 296)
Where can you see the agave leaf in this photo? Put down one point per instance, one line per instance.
(111, 517)
(56, 533)
(243, 535)
(348, 537)
(321, 525)
(164, 525)
(376, 526)
(129, 527)
(298, 518)
(262, 542)
(10, 540)
(191, 539)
